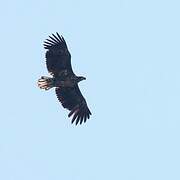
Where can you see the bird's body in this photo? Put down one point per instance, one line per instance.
(58, 61)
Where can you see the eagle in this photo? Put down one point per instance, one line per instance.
(58, 62)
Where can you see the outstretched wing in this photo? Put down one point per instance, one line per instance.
(72, 99)
(58, 57)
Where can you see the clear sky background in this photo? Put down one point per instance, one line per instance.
(130, 53)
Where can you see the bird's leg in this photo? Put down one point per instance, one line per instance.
(46, 82)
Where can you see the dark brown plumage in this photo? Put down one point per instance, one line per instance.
(58, 61)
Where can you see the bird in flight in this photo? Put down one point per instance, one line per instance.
(58, 62)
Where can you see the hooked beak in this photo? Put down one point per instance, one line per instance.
(82, 78)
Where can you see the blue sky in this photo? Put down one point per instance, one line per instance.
(129, 52)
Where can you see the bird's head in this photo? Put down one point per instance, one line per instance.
(80, 78)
